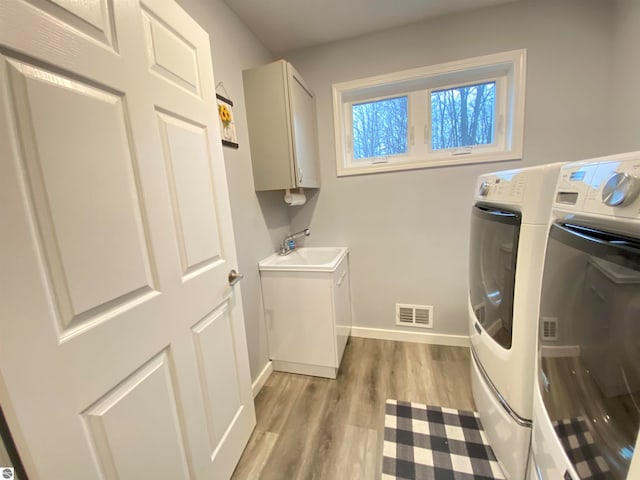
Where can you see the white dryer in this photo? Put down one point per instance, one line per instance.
(509, 225)
(587, 391)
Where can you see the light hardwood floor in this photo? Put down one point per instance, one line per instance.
(315, 428)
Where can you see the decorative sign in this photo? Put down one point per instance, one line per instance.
(227, 126)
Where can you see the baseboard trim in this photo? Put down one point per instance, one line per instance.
(262, 379)
(305, 369)
(560, 351)
(415, 337)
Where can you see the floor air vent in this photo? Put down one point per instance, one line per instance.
(549, 328)
(414, 315)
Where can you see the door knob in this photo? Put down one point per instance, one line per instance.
(234, 277)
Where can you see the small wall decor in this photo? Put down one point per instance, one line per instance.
(227, 125)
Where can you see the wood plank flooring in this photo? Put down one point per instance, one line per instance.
(315, 428)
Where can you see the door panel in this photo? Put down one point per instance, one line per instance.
(121, 342)
(188, 168)
(71, 181)
(141, 410)
(94, 19)
(90, 12)
(171, 56)
(213, 340)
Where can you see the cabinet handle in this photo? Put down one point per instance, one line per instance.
(341, 279)
(300, 175)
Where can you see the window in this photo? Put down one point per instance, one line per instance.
(380, 128)
(468, 111)
(463, 116)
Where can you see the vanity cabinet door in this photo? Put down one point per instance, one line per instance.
(299, 324)
(342, 307)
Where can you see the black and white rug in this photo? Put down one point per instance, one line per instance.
(581, 448)
(422, 442)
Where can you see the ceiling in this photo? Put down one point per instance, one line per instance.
(285, 25)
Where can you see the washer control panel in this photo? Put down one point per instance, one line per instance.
(607, 187)
(507, 187)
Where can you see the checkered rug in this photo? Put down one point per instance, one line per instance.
(581, 449)
(434, 443)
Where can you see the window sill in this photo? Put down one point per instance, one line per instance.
(434, 162)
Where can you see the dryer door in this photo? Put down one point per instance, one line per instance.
(492, 269)
(589, 349)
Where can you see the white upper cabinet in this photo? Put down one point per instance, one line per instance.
(281, 116)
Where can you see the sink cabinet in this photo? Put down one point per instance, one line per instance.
(308, 317)
(281, 116)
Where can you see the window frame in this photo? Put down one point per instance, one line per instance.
(507, 69)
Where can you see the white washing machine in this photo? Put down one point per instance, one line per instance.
(587, 391)
(509, 225)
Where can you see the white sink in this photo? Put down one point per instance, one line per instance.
(305, 259)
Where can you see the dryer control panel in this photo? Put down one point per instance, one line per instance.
(606, 186)
(505, 187)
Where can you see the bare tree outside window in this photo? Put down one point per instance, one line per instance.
(460, 117)
(463, 116)
(380, 128)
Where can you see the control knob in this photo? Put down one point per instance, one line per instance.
(622, 188)
(484, 189)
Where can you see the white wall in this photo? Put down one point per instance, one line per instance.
(259, 221)
(626, 115)
(408, 231)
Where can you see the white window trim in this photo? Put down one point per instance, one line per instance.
(487, 67)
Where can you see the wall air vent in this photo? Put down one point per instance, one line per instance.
(414, 315)
(549, 328)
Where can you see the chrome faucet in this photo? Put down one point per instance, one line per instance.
(289, 242)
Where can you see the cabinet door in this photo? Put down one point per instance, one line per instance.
(268, 119)
(342, 308)
(303, 123)
(298, 315)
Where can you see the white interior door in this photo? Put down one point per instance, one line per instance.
(122, 346)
